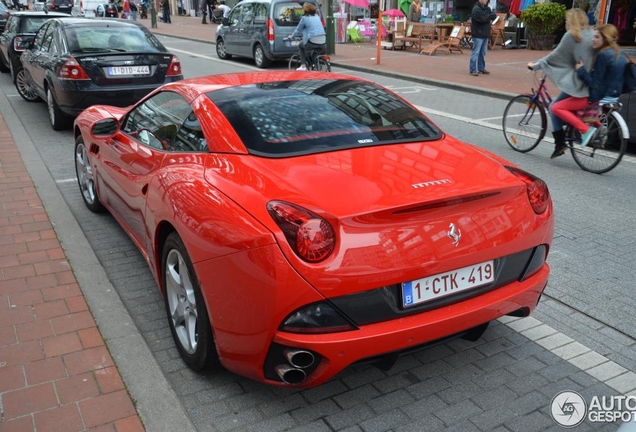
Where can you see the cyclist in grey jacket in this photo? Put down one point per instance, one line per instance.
(559, 67)
(314, 37)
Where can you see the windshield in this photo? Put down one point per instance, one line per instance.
(115, 38)
(309, 116)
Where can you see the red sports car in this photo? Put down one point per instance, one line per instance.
(300, 222)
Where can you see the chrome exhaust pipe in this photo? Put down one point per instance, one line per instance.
(299, 358)
(290, 375)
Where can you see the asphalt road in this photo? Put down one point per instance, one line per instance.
(582, 336)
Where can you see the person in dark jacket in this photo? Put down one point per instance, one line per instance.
(165, 6)
(480, 22)
(605, 80)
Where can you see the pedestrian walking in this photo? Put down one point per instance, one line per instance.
(480, 23)
(133, 10)
(125, 8)
(203, 7)
(415, 11)
(165, 6)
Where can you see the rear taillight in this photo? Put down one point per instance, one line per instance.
(538, 193)
(52, 5)
(310, 236)
(175, 66)
(270, 30)
(72, 70)
(17, 44)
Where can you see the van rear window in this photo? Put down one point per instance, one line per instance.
(287, 118)
(288, 14)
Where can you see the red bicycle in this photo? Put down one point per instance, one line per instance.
(525, 123)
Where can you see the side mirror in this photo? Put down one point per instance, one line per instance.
(105, 128)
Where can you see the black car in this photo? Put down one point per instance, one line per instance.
(73, 63)
(21, 28)
(65, 6)
(106, 10)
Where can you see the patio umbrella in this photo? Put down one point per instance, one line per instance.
(358, 3)
(395, 13)
(404, 6)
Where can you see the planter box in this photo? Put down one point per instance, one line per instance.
(540, 42)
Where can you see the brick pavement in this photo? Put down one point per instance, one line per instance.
(56, 373)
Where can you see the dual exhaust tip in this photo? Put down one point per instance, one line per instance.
(293, 373)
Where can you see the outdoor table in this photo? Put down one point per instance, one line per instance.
(443, 30)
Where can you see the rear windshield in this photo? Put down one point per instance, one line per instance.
(33, 24)
(116, 38)
(288, 14)
(310, 116)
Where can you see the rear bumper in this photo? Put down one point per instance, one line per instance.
(73, 101)
(339, 350)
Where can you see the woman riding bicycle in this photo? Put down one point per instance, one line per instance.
(313, 32)
(606, 80)
(559, 67)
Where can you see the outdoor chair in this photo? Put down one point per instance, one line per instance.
(497, 31)
(366, 30)
(452, 43)
(412, 37)
(354, 33)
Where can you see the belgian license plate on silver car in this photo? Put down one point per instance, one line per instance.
(444, 284)
(128, 70)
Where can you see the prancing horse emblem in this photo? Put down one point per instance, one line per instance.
(454, 233)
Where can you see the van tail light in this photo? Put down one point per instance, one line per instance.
(17, 44)
(322, 20)
(270, 30)
(175, 67)
(52, 5)
(72, 70)
(538, 193)
(310, 236)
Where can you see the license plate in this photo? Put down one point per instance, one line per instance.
(444, 284)
(128, 70)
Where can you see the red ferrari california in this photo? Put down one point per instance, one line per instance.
(298, 222)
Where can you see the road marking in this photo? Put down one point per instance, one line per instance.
(216, 59)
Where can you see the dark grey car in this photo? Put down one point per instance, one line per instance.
(256, 29)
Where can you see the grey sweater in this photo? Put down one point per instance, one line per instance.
(559, 64)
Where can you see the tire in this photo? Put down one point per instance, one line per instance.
(294, 62)
(85, 179)
(323, 65)
(605, 152)
(187, 314)
(24, 87)
(221, 50)
(59, 120)
(262, 62)
(524, 123)
(3, 68)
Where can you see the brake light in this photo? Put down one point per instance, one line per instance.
(52, 5)
(310, 236)
(72, 70)
(17, 44)
(175, 67)
(270, 30)
(538, 193)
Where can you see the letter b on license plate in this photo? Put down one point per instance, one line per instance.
(444, 284)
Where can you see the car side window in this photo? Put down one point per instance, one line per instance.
(47, 40)
(247, 14)
(37, 41)
(166, 122)
(260, 13)
(235, 15)
(11, 24)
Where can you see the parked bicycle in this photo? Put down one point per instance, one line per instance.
(317, 59)
(525, 123)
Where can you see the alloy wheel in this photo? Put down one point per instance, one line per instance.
(23, 85)
(85, 174)
(182, 302)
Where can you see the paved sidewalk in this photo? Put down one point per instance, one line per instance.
(56, 373)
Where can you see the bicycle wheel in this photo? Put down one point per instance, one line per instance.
(323, 65)
(605, 151)
(294, 62)
(524, 123)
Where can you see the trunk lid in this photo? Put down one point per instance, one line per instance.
(130, 68)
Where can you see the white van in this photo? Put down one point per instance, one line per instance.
(86, 8)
